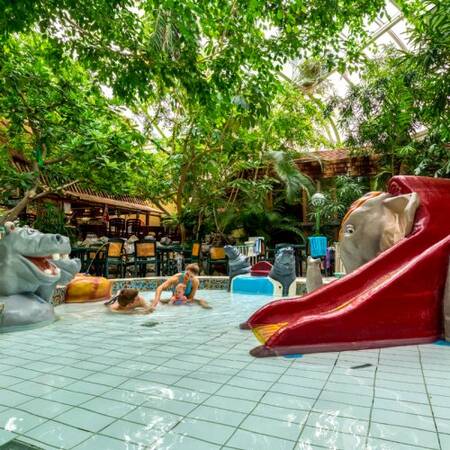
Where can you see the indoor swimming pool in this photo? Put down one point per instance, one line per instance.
(182, 378)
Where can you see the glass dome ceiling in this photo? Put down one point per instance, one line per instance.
(389, 29)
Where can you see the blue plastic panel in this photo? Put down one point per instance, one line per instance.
(246, 284)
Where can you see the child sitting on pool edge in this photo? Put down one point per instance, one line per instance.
(179, 297)
(128, 301)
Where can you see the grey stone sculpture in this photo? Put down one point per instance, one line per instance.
(237, 263)
(283, 269)
(313, 274)
(31, 265)
(375, 225)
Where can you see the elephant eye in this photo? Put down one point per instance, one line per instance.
(349, 229)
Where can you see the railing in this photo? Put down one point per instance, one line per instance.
(251, 249)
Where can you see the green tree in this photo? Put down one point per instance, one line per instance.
(56, 119)
(211, 161)
(205, 48)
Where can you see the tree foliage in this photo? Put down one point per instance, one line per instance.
(206, 48)
(56, 120)
(209, 163)
(337, 201)
(403, 94)
(220, 127)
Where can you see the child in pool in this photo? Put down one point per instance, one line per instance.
(179, 296)
(128, 301)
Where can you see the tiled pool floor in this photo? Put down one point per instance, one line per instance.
(182, 378)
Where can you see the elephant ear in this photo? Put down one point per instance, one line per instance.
(403, 208)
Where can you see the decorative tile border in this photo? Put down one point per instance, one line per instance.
(151, 283)
(59, 295)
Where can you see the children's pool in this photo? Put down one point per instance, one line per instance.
(182, 378)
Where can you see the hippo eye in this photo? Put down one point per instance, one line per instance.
(349, 229)
(30, 231)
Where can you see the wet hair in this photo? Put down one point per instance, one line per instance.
(193, 268)
(127, 296)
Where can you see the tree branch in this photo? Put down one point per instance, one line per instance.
(48, 190)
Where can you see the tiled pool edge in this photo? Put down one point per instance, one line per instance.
(151, 283)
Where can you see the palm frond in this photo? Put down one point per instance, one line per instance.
(294, 180)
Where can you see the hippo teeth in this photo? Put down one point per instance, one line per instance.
(65, 256)
(44, 264)
(56, 256)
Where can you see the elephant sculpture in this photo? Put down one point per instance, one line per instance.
(373, 224)
(32, 264)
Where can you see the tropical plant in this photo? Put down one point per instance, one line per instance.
(50, 219)
(208, 162)
(336, 201)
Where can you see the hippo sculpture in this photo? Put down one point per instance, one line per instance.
(283, 270)
(31, 265)
(373, 224)
(237, 263)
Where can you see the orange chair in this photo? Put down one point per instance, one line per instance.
(216, 257)
(144, 253)
(114, 256)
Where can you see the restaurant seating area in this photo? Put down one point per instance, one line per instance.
(121, 258)
(117, 228)
(135, 257)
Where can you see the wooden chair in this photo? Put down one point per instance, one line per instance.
(94, 261)
(145, 253)
(216, 257)
(114, 257)
(194, 256)
(116, 228)
(133, 227)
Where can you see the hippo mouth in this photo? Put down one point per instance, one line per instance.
(43, 265)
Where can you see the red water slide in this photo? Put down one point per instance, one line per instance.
(395, 299)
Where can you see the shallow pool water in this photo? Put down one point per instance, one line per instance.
(182, 378)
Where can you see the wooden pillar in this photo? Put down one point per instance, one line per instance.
(304, 206)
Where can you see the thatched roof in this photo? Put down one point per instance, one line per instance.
(331, 163)
(85, 194)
